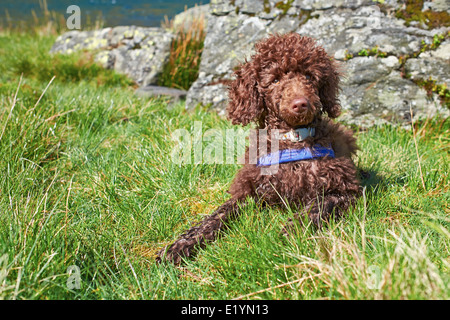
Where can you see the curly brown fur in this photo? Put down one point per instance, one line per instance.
(289, 83)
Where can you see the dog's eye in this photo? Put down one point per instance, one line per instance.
(308, 77)
(275, 81)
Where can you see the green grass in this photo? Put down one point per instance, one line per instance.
(86, 179)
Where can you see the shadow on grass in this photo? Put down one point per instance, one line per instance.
(369, 178)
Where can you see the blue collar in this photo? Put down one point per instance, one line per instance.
(289, 155)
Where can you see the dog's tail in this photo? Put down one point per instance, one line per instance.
(199, 235)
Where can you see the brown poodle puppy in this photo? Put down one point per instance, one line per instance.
(285, 89)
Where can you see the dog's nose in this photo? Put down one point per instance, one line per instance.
(300, 104)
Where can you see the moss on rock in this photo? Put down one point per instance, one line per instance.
(413, 11)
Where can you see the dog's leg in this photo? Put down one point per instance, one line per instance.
(321, 210)
(206, 231)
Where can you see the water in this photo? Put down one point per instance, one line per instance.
(146, 13)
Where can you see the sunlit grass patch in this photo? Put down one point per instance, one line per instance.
(87, 180)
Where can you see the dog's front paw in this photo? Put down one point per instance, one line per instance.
(293, 223)
(176, 252)
(315, 215)
(309, 215)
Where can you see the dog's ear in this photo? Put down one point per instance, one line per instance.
(329, 91)
(245, 103)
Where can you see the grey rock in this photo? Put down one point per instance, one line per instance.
(72, 41)
(249, 6)
(366, 70)
(221, 7)
(431, 64)
(185, 19)
(364, 28)
(387, 100)
(437, 5)
(137, 52)
(156, 91)
(323, 5)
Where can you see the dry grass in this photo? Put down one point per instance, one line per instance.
(404, 269)
(182, 67)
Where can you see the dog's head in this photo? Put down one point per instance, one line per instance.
(290, 78)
